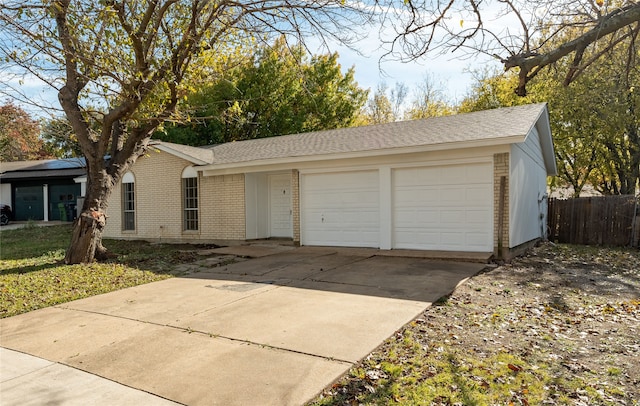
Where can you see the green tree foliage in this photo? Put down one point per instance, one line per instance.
(19, 135)
(429, 100)
(385, 105)
(279, 90)
(134, 60)
(594, 121)
(59, 139)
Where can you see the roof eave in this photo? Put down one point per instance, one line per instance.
(179, 154)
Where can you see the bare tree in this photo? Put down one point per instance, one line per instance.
(544, 32)
(429, 100)
(120, 68)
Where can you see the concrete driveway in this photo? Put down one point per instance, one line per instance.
(273, 330)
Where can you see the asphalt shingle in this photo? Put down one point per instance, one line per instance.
(477, 126)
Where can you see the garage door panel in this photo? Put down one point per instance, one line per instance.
(479, 194)
(417, 196)
(453, 218)
(443, 208)
(477, 217)
(452, 175)
(341, 209)
(451, 196)
(410, 239)
(408, 218)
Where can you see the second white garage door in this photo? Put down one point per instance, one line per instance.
(340, 209)
(443, 208)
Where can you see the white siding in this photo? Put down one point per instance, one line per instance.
(527, 191)
(5, 194)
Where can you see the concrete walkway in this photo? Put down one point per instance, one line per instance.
(273, 330)
(14, 225)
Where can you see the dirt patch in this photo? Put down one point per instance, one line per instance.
(557, 326)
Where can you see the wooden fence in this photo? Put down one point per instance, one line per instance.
(605, 220)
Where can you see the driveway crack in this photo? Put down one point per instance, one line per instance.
(212, 335)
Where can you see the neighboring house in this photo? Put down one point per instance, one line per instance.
(42, 190)
(470, 182)
(567, 192)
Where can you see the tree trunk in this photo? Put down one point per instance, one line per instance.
(86, 240)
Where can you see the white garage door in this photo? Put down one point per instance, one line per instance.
(443, 208)
(340, 209)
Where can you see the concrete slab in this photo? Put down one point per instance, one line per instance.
(26, 380)
(327, 324)
(15, 364)
(196, 369)
(185, 366)
(253, 250)
(407, 278)
(271, 330)
(171, 300)
(264, 265)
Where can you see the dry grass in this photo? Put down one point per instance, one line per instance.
(558, 326)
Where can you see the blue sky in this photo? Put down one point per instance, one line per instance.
(450, 72)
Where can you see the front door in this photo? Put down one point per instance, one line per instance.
(280, 206)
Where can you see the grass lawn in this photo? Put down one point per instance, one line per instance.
(33, 275)
(559, 326)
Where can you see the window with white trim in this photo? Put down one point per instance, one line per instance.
(128, 202)
(190, 200)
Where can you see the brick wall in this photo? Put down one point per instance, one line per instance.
(222, 207)
(158, 195)
(158, 199)
(500, 170)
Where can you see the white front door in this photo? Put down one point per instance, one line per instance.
(280, 206)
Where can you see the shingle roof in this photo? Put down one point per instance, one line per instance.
(485, 125)
(194, 154)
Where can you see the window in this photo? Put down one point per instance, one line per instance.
(128, 202)
(190, 200)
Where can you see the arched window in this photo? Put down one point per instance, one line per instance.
(128, 202)
(190, 199)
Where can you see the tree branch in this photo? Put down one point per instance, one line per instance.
(608, 24)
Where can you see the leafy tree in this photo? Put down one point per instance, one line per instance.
(429, 101)
(131, 58)
(549, 31)
(279, 90)
(19, 133)
(385, 106)
(59, 139)
(594, 120)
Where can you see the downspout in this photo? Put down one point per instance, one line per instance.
(503, 192)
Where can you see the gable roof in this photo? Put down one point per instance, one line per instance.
(489, 127)
(195, 155)
(500, 126)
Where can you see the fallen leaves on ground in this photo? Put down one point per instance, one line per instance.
(557, 326)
